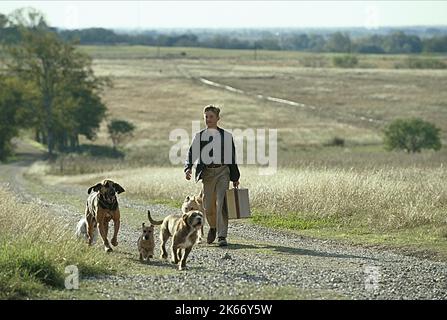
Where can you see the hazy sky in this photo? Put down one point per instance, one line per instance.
(215, 14)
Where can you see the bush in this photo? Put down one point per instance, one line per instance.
(336, 142)
(412, 135)
(421, 63)
(415, 63)
(346, 61)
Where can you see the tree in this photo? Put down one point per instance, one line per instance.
(412, 135)
(338, 42)
(12, 113)
(399, 42)
(297, 42)
(118, 130)
(3, 21)
(66, 88)
(435, 44)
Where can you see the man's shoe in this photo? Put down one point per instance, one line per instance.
(222, 242)
(211, 235)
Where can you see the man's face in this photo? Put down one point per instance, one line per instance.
(210, 119)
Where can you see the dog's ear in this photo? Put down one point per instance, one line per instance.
(185, 217)
(96, 187)
(118, 188)
(187, 199)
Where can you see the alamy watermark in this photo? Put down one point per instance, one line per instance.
(372, 278)
(72, 279)
(257, 141)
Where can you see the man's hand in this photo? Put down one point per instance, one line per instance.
(236, 184)
(188, 175)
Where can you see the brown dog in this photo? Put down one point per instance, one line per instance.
(195, 203)
(146, 243)
(183, 230)
(102, 206)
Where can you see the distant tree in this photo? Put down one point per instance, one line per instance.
(316, 42)
(338, 42)
(412, 135)
(28, 18)
(399, 42)
(268, 43)
(186, 40)
(371, 44)
(64, 84)
(118, 130)
(300, 42)
(8, 33)
(3, 21)
(435, 44)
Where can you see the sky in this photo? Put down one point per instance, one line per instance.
(235, 14)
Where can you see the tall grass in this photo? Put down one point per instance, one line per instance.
(35, 248)
(381, 199)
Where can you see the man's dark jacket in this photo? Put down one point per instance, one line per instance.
(191, 158)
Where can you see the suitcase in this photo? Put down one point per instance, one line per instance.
(238, 204)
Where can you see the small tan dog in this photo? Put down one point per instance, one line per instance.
(146, 243)
(195, 203)
(183, 230)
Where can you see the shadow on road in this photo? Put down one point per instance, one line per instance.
(295, 251)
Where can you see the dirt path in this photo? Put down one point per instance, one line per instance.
(182, 70)
(259, 263)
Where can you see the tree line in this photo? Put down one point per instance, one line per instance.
(394, 42)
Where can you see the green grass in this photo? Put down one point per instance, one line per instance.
(292, 221)
(427, 241)
(26, 268)
(35, 248)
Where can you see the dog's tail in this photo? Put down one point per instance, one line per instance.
(152, 221)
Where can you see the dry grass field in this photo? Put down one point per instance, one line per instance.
(159, 95)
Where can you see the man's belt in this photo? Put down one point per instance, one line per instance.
(214, 165)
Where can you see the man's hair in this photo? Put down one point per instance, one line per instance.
(212, 108)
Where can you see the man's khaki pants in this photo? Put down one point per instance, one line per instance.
(215, 185)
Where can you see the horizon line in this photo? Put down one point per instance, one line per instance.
(263, 27)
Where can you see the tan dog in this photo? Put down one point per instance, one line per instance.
(195, 203)
(102, 206)
(183, 230)
(146, 243)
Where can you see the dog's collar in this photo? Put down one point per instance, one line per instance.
(107, 205)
